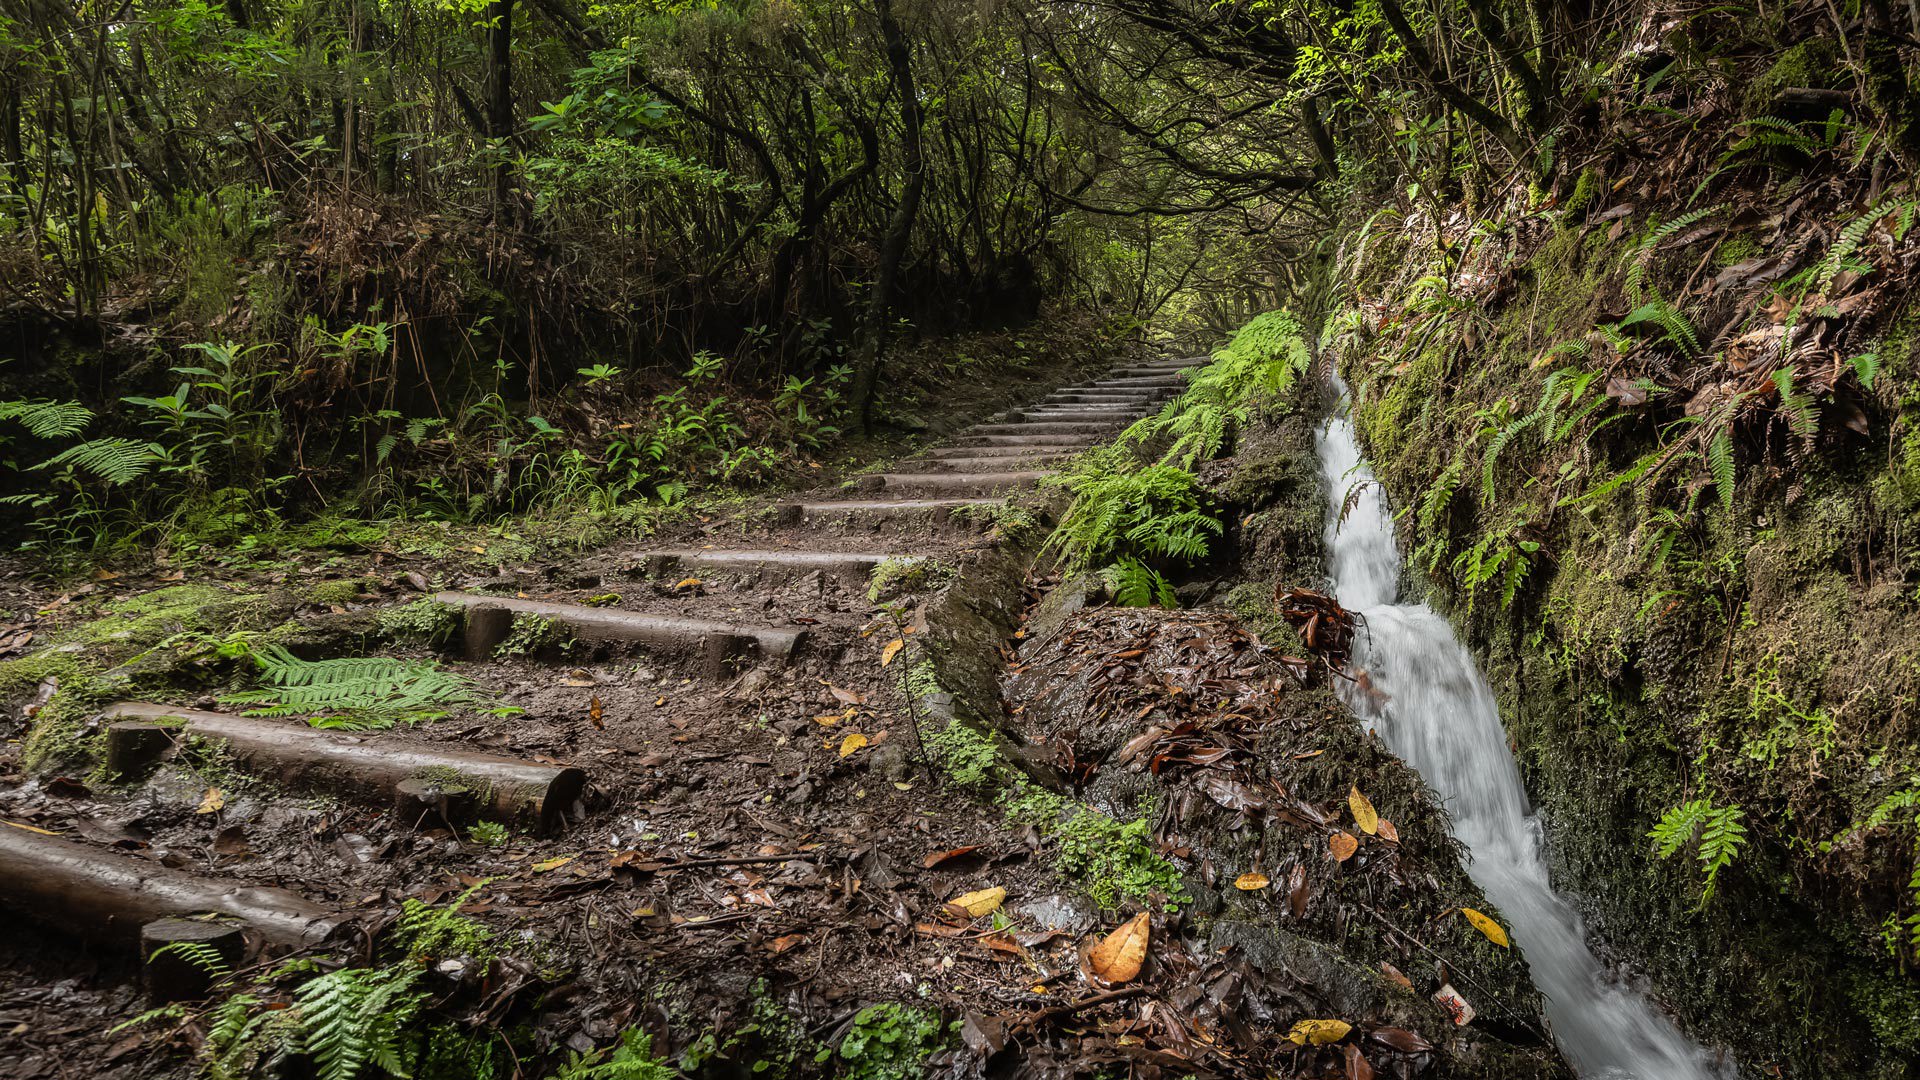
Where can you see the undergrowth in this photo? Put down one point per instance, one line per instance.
(1112, 860)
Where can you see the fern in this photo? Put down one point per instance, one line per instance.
(355, 1017)
(1265, 357)
(1720, 461)
(356, 693)
(1852, 235)
(1642, 259)
(1866, 368)
(1135, 584)
(197, 953)
(630, 1059)
(48, 419)
(1151, 512)
(1799, 408)
(113, 461)
(1721, 836)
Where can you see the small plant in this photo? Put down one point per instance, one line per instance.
(894, 576)
(488, 834)
(631, 1058)
(1719, 831)
(426, 620)
(1112, 860)
(890, 1042)
(531, 634)
(599, 373)
(355, 693)
(1155, 512)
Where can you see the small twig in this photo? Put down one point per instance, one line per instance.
(692, 863)
(1053, 1012)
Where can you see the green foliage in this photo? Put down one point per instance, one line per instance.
(1112, 860)
(425, 931)
(531, 634)
(197, 953)
(967, 755)
(1118, 512)
(356, 1017)
(488, 834)
(1718, 831)
(425, 620)
(1263, 359)
(1135, 584)
(631, 1058)
(355, 693)
(48, 419)
(896, 575)
(890, 1041)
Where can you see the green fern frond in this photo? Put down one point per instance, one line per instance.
(48, 419)
(360, 693)
(1720, 463)
(1721, 836)
(199, 954)
(112, 461)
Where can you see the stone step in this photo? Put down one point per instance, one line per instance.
(1003, 452)
(933, 511)
(719, 647)
(934, 483)
(853, 567)
(102, 895)
(1158, 382)
(1077, 439)
(1043, 427)
(372, 767)
(1090, 397)
(1076, 415)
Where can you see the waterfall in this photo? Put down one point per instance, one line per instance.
(1435, 711)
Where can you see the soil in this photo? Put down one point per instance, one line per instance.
(744, 864)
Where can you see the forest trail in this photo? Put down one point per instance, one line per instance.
(614, 769)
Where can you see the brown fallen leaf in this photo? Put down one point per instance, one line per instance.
(1297, 892)
(1400, 1040)
(1395, 976)
(1485, 924)
(1357, 1066)
(1364, 814)
(851, 743)
(978, 903)
(935, 858)
(1251, 881)
(1119, 956)
(892, 650)
(1343, 845)
(845, 696)
(1318, 1032)
(786, 943)
(1388, 833)
(595, 712)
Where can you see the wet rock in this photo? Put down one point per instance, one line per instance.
(1067, 914)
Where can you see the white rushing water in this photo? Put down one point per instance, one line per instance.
(1435, 711)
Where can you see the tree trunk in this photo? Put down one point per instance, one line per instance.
(873, 337)
(499, 103)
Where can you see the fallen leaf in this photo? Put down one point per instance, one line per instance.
(935, 858)
(1343, 845)
(211, 802)
(1388, 832)
(1118, 957)
(847, 697)
(892, 650)
(30, 828)
(1485, 924)
(686, 583)
(1400, 1039)
(1395, 976)
(595, 711)
(550, 865)
(1364, 814)
(851, 743)
(1318, 1032)
(1297, 892)
(1357, 1066)
(980, 902)
(786, 942)
(1251, 881)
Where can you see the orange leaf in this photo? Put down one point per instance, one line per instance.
(595, 711)
(892, 650)
(1118, 957)
(1251, 881)
(1388, 832)
(852, 742)
(1343, 845)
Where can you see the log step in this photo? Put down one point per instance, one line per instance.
(763, 565)
(367, 766)
(950, 483)
(101, 895)
(718, 645)
(1044, 427)
(801, 513)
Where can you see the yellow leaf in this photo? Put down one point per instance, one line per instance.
(1343, 845)
(1251, 881)
(1118, 958)
(211, 802)
(982, 902)
(892, 650)
(1364, 814)
(1318, 1032)
(852, 742)
(686, 583)
(553, 864)
(30, 828)
(1485, 924)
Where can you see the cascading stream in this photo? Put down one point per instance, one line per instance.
(1435, 711)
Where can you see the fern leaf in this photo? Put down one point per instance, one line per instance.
(113, 461)
(48, 419)
(1720, 462)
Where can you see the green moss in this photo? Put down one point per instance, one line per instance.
(899, 575)
(339, 592)
(1110, 859)
(425, 620)
(532, 634)
(1813, 63)
(967, 755)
